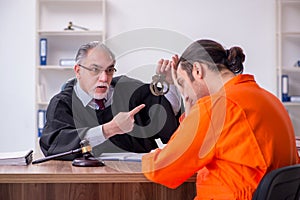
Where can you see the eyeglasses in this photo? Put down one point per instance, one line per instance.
(96, 70)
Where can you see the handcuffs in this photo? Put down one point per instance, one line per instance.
(159, 86)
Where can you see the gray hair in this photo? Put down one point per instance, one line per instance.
(84, 49)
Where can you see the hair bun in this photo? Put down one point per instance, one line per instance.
(235, 59)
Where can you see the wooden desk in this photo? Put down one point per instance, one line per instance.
(60, 180)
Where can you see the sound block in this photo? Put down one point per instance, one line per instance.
(87, 162)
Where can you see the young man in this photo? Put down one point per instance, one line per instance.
(113, 114)
(232, 133)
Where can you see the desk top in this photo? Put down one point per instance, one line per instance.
(63, 172)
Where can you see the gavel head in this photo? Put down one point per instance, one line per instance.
(70, 26)
(87, 160)
(85, 146)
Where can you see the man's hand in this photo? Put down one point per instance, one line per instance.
(164, 67)
(122, 123)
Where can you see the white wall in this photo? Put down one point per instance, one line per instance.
(249, 24)
(17, 51)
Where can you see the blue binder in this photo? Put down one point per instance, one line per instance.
(285, 88)
(41, 120)
(43, 51)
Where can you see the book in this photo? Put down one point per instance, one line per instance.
(41, 96)
(43, 51)
(16, 158)
(67, 62)
(285, 88)
(126, 156)
(297, 141)
(159, 143)
(295, 98)
(41, 121)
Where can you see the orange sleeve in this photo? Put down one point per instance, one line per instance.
(180, 158)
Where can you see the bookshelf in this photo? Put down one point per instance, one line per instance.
(53, 19)
(288, 54)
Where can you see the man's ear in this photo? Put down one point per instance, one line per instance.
(76, 70)
(198, 70)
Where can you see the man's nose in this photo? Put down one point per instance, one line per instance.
(102, 76)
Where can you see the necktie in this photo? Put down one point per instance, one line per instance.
(100, 103)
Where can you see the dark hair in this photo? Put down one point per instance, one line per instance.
(214, 55)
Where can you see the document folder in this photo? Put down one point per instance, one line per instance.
(43, 51)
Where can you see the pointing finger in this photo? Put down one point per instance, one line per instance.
(136, 109)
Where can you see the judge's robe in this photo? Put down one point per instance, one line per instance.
(67, 120)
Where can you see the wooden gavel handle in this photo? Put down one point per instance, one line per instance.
(57, 156)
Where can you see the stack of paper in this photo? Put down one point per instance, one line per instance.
(127, 156)
(16, 158)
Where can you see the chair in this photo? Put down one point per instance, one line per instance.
(280, 184)
(68, 81)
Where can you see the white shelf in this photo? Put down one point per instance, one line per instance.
(54, 67)
(69, 33)
(290, 34)
(290, 2)
(42, 103)
(291, 69)
(291, 104)
(52, 17)
(56, 15)
(288, 52)
(69, 1)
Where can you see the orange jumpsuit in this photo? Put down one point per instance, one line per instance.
(231, 139)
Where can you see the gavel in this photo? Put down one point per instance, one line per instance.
(86, 161)
(71, 25)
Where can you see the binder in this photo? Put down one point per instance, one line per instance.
(67, 62)
(41, 121)
(285, 88)
(43, 51)
(295, 98)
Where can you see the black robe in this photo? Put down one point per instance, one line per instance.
(67, 120)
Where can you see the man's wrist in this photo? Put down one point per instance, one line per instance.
(109, 129)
